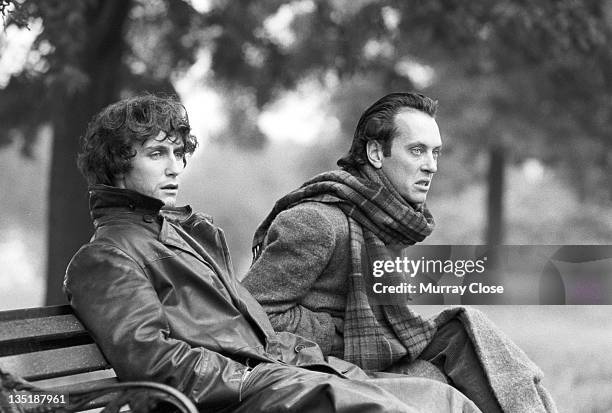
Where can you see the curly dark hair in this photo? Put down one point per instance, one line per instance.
(378, 123)
(108, 145)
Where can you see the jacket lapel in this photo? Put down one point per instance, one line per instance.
(170, 237)
(249, 308)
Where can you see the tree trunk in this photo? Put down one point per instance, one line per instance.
(495, 229)
(495, 200)
(69, 223)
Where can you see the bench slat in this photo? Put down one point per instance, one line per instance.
(56, 327)
(36, 312)
(82, 386)
(90, 376)
(55, 363)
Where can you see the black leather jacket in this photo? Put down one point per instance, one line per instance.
(156, 290)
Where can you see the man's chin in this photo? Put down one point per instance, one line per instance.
(169, 201)
(416, 201)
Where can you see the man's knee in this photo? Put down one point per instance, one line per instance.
(453, 330)
(450, 339)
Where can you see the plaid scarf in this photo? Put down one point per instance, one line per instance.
(375, 336)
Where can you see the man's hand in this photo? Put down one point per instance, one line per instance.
(338, 340)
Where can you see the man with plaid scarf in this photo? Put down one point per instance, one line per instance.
(314, 252)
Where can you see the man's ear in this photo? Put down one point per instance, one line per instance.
(374, 151)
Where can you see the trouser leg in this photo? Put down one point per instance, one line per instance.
(276, 388)
(452, 351)
(427, 395)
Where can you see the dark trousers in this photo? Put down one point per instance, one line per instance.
(278, 388)
(451, 351)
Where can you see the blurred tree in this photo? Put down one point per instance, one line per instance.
(90, 53)
(538, 74)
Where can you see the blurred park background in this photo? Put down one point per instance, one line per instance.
(274, 90)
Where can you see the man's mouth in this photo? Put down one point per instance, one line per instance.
(170, 187)
(423, 184)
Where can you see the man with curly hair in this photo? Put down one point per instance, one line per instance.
(155, 288)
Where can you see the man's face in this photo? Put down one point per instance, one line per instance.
(155, 169)
(414, 155)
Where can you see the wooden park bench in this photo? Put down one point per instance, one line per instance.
(49, 362)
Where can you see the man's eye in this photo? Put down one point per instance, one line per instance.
(179, 154)
(417, 151)
(155, 155)
(436, 154)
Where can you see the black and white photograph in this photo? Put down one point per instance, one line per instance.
(306, 206)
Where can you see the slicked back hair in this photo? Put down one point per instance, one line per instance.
(378, 123)
(110, 142)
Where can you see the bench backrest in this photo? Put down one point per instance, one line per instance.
(46, 343)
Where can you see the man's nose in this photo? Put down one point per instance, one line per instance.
(175, 166)
(430, 163)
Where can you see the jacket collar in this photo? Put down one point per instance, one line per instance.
(106, 200)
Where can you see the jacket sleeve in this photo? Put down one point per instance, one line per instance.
(115, 300)
(299, 246)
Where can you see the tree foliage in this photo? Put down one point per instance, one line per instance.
(551, 56)
(547, 62)
(538, 72)
(14, 12)
(89, 54)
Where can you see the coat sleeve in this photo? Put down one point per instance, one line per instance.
(299, 246)
(113, 297)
